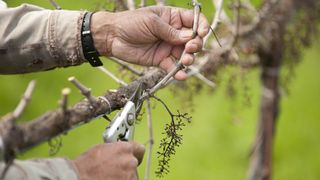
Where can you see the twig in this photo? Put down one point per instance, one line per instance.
(143, 3)
(64, 101)
(196, 11)
(127, 66)
(55, 5)
(236, 32)
(151, 141)
(120, 5)
(6, 169)
(24, 101)
(259, 17)
(179, 65)
(131, 5)
(84, 90)
(215, 36)
(161, 2)
(104, 70)
(216, 19)
(195, 72)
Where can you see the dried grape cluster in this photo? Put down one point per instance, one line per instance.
(172, 139)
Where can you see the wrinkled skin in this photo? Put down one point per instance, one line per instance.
(114, 161)
(152, 36)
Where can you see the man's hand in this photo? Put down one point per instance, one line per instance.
(111, 161)
(152, 36)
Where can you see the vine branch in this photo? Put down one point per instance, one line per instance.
(150, 141)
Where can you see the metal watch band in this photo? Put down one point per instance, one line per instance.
(89, 51)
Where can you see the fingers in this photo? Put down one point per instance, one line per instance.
(170, 34)
(177, 51)
(187, 18)
(181, 76)
(138, 151)
(121, 147)
(194, 45)
(203, 28)
(168, 64)
(187, 59)
(110, 161)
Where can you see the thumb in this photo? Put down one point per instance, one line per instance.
(138, 151)
(172, 35)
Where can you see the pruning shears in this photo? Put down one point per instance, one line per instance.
(122, 126)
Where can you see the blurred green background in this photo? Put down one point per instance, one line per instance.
(217, 143)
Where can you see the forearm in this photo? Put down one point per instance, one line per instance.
(57, 168)
(35, 39)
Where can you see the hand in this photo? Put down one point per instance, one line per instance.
(152, 36)
(111, 161)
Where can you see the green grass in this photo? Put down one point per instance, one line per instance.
(217, 143)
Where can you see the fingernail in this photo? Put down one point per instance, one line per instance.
(186, 34)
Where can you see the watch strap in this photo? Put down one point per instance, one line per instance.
(89, 51)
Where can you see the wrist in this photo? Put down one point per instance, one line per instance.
(103, 32)
(89, 51)
(79, 169)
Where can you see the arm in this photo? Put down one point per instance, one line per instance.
(40, 169)
(113, 161)
(3, 5)
(35, 39)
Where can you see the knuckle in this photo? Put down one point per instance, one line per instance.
(172, 32)
(153, 19)
(125, 147)
(133, 163)
(129, 163)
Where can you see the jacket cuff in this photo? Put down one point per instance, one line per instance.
(64, 36)
(39, 169)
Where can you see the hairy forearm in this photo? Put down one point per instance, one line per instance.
(35, 39)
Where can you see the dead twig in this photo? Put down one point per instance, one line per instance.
(55, 5)
(127, 66)
(237, 10)
(110, 74)
(84, 90)
(151, 141)
(161, 2)
(143, 3)
(216, 20)
(64, 101)
(131, 4)
(24, 101)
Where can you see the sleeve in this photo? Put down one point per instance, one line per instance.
(40, 169)
(35, 39)
(3, 5)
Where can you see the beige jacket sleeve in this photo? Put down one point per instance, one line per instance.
(35, 39)
(41, 169)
